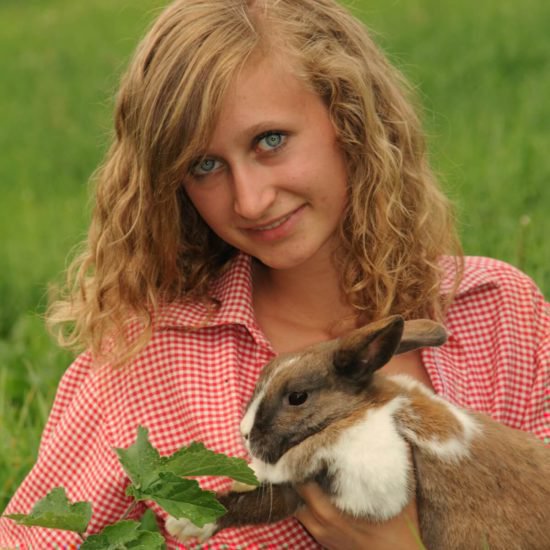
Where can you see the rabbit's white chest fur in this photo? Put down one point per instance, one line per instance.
(369, 464)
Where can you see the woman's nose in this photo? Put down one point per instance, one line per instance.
(253, 191)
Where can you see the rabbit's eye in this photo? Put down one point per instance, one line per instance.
(297, 398)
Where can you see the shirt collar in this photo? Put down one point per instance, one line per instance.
(233, 292)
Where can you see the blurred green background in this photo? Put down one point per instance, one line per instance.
(481, 69)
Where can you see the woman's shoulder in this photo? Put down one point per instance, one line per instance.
(497, 357)
(482, 272)
(495, 293)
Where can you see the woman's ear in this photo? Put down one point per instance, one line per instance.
(367, 349)
(421, 333)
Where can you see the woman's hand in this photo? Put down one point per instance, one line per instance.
(335, 530)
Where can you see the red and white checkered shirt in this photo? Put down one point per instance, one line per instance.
(193, 385)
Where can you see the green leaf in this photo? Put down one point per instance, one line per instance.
(197, 460)
(56, 512)
(124, 535)
(160, 479)
(141, 461)
(181, 498)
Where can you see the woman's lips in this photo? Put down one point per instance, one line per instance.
(277, 229)
(272, 225)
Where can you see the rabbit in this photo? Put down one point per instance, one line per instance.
(375, 441)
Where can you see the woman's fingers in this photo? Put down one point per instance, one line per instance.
(336, 530)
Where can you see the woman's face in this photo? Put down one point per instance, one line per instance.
(272, 181)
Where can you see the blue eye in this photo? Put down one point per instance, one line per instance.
(270, 141)
(204, 166)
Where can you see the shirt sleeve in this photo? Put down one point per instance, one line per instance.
(537, 417)
(75, 454)
(520, 349)
(497, 358)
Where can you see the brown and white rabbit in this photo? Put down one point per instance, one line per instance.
(325, 414)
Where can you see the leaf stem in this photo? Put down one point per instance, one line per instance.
(129, 510)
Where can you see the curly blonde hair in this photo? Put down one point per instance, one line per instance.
(147, 245)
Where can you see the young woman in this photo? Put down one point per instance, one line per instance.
(267, 188)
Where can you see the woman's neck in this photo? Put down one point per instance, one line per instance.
(299, 307)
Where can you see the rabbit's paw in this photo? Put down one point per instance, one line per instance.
(183, 529)
(239, 487)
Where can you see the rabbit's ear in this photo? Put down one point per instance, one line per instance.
(367, 349)
(421, 333)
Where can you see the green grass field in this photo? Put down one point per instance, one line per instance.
(482, 70)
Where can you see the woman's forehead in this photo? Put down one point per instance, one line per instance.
(263, 96)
